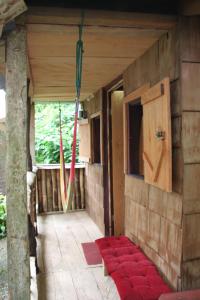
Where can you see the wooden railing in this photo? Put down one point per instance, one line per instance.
(48, 188)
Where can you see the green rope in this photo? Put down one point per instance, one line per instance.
(79, 59)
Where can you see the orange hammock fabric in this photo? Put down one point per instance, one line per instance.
(67, 194)
(63, 190)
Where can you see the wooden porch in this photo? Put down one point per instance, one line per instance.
(64, 273)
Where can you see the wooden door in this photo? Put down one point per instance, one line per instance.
(157, 136)
(117, 161)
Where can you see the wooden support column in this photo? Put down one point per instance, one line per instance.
(17, 221)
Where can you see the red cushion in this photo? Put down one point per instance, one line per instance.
(113, 242)
(134, 274)
(114, 258)
(137, 282)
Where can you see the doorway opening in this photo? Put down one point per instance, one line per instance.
(113, 174)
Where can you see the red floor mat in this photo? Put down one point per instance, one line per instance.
(92, 254)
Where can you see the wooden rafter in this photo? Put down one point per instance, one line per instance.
(43, 15)
(112, 41)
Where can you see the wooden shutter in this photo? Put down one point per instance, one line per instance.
(157, 153)
(85, 141)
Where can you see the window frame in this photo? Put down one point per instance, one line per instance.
(84, 157)
(130, 98)
(92, 117)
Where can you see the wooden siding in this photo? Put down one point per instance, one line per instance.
(48, 189)
(94, 189)
(190, 90)
(153, 218)
(165, 224)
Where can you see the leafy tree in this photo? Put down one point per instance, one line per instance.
(47, 132)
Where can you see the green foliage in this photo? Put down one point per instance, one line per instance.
(47, 132)
(2, 216)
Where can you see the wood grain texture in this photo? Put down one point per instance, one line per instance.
(17, 221)
(48, 189)
(191, 197)
(64, 271)
(112, 41)
(94, 194)
(191, 237)
(84, 141)
(117, 158)
(190, 39)
(157, 117)
(190, 76)
(171, 244)
(191, 137)
(159, 61)
(40, 15)
(190, 274)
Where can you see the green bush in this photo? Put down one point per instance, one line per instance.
(47, 132)
(2, 216)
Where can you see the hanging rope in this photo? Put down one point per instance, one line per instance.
(79, 60)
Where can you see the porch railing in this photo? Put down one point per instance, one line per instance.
(48, 188)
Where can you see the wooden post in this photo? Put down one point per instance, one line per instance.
(17, 221)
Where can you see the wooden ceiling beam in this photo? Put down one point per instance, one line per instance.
(62, 16)
(58, 93)
(112, 41)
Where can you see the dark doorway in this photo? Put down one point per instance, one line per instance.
(111, 211)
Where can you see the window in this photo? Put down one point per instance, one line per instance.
(133, 133)
(135, 138)
(84, 140)
(147, 134)
(96, 138)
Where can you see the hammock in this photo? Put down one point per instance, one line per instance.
(67, 194)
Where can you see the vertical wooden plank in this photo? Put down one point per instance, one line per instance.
(117, 166)
(157, 149)
(79, 189)
(17, 221)
(82, 188)
(39, 191)
(58, 186)
(44, 191)
(55, 189)
(49, 190)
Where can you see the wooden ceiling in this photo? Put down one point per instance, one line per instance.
(112, 41)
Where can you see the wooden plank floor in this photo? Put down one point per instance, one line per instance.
(64, 273)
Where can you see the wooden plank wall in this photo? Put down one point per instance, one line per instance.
(94, 173)
(153, 218)
(166, 225)
(48, 189)
(190, 90)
